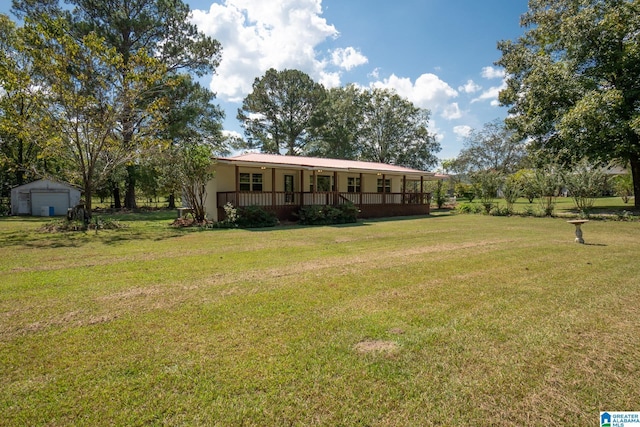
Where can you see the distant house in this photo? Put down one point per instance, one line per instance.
(283, 184)
(43, 198)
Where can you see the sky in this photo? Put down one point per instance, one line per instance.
(439, 54)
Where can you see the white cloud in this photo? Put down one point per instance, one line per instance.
(329, 80)
(462, 131)
(470, 87)
(231, 134)
(348, 58)
(428, 91)
(280, 34)
(492, 73)
(452, 111)
(491, 94)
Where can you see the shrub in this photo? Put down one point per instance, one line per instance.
(486, 184)
(548, 182)
(499, 211)
(440, 194)
(584, 183)
(526, 179)
(5, 208)
(511, 190)
(327, 215)
(465, 191)
(625, 216)
(255, 217)
(63, 225)
(468, 208)
(623, 186)
(230, 217)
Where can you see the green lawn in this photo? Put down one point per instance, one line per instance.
(443, 320)
(566, 206)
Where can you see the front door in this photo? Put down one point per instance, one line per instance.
(288, 188)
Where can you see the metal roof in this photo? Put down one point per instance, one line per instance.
(317, 163)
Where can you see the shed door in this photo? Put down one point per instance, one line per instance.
(58, 199)
(24, 203)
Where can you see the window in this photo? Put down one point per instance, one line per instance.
(245, 182)
(386, 188)
(257, 182)
(250, 182)
(324, 183)
(353, 184)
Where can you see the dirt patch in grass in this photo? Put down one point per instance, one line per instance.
(376, 346)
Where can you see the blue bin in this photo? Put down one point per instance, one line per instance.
(51, 211)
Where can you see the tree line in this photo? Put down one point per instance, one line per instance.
(287, 112)
(105, 95)
(573, 92)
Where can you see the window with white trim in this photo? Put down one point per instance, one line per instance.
(384, 187)
(250, 182)
(353, 184)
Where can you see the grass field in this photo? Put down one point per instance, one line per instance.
(442, 320)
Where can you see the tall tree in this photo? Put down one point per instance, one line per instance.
(574, 80)
(79, 107)
(277, 114)
(337, 124)
(493, 147)
(155, 29)
(191, 120)
(19, 105)
(395, 131)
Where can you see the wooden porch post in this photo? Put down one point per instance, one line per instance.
(421, 189)
(314, 180)
(301, 187)
(404, 189)
(335, 188)
(237, 186)
(273, 187)
(361, 186)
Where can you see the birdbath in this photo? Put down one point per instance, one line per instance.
(578, 223)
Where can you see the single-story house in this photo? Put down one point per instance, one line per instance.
(43, 198)
(283, 184)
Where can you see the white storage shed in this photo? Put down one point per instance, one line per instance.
(43, 198)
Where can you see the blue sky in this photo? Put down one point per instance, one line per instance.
(437, 53)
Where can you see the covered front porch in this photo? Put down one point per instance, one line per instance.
(378, 190)
(371, 205)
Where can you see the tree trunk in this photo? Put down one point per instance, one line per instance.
(19, 176)
(130, 194)
(116, 197)
(88, 194)
(172, 201)
(635, 173)
(19, 170)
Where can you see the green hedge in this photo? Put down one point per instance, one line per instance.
(326, 215)
(255, 217)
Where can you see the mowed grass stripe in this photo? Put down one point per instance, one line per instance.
(494, 320)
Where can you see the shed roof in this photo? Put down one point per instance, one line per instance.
(46, 184)
(317, 163)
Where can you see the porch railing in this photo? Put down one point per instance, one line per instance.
(282, 198)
